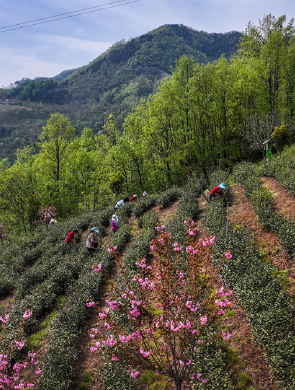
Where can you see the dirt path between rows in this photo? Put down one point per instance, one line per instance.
(283, 200)
(241, 340)
(87, 359)
(241, 213)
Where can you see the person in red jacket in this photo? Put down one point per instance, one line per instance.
(132, 199)
(216, 191)
(71, 235)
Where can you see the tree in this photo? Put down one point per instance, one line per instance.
(56, 139)
(56, 147)
(280, 137)
(165, 312)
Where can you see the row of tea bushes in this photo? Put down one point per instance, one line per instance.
(21, 254)
(262, 202)
(269, 308)
(53, 256)
(112, 374)
(210, 359)
(282, 169)
(59, 366)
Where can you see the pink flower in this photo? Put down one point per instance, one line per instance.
(94, 330)
(135, 374)
(225, 335)
(203, 320)
(102, 315)
(115, 248)
(90, 304)
(181, 362)
(228, 255)
(38, 372)
(204, 381)
(98, 269)
(145, 354)
(93, 349)
(27, 314)
(191, 233)
(109, 250)
(114, 358)
(97, 343)
(212, 240)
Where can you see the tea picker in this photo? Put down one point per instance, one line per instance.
(217, 191)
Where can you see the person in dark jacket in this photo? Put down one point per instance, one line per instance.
(217, 191)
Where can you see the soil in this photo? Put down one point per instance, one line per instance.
(283, 201)
(241, 341)
(241, 213)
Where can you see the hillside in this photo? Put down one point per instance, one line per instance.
(112, 83)
(255, 225)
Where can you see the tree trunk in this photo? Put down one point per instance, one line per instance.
(178, 383)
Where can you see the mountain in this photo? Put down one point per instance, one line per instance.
(112, 83)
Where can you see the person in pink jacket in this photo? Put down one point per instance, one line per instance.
(115, 223)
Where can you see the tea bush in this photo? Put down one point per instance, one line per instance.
(167, 197)
(262, 201)
(269, 308)
(140, 206)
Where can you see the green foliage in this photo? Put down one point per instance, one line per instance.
(280, 137)
(117, 182)
(269, 307)
(87, 379)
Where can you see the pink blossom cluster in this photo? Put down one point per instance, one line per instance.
(5, 319)
(225, 335)
(110, 250)
(177, 247)
(27, 314)
(142, 264)
(46, 214)
(199, 377)
(133, 373)
(96, 268)
(14, 381)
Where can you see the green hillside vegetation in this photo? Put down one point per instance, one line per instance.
(203, 116)
(112, 83)
(207, 124)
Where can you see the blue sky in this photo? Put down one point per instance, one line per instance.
(48, 49)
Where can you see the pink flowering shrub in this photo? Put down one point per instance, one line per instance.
(172, 311)
(46, 214)
(12, 374)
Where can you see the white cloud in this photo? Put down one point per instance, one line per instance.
(69, 43)
(15, 66)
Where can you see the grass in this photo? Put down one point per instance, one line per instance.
(154, 382)
(87, 380)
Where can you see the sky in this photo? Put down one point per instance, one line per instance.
(46, 49)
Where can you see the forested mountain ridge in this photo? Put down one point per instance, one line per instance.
(112, 83)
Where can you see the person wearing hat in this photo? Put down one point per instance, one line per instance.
(132, 199)
(91, 243)
(52, 222)
(216, 191)
(119, 204)
(115, 223)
